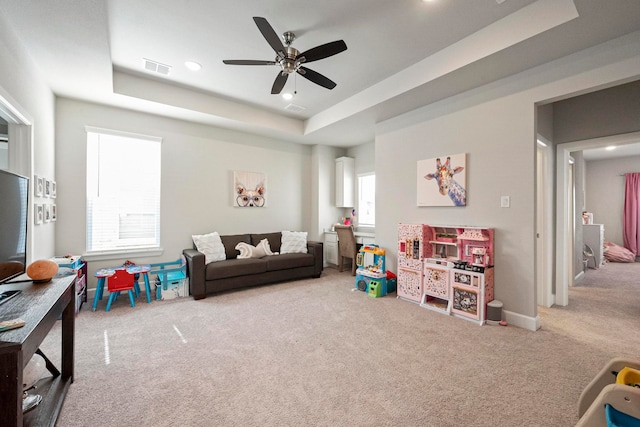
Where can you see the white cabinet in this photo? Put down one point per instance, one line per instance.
(331, 245)
(345, 182)
(331, 248)
(593, 235)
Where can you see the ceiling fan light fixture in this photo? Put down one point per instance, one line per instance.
(193, 65)
(287, 96)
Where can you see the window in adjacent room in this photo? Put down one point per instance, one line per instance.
(366, 209)
(123, 192)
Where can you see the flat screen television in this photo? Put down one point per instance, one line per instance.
(14, 204)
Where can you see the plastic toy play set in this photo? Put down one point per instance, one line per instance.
(372, 276)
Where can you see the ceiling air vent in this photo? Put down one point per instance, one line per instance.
(294, 108)
(156, 67)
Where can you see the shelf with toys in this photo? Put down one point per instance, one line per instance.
(371, 275)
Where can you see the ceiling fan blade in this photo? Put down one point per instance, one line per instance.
(247, 62)
(323, 51)
(278, 84)
(316, 77)
(269, 34)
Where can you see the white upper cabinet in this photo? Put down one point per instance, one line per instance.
(345, 182)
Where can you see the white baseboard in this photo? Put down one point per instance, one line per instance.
(522, 321)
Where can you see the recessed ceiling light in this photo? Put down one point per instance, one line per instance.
(610, 147)
(287, 96)
(192, 65)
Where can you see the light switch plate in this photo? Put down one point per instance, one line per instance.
(505, 201)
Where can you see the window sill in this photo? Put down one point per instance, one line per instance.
(122, 253)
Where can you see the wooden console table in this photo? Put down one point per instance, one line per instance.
(40, 306)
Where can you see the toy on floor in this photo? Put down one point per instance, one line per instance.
(371, 275)
(171, 279)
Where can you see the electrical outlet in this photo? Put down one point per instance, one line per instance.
(505, 201)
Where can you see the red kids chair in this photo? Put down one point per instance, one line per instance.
(120, 281)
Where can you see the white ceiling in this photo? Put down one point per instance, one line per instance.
(401, 54)
(601, 153)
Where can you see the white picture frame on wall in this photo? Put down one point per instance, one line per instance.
(47, 213)
(54, 212)
(47, 188)
(54, 189)
(38, 186)
(38, 214)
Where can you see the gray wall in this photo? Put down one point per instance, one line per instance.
(605, 193)
(197, 166)
(23, 87)
(365, 157)
(605, 112)
(495, 126)
(324, 172)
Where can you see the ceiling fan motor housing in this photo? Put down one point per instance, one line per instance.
(288, 63)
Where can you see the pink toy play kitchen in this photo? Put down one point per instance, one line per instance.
(446, 268)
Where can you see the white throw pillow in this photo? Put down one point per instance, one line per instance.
(294, 242)
(266, 247)
(211, 246)
(244, 249)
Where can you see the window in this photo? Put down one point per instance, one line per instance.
(123, 192)
(366, 212)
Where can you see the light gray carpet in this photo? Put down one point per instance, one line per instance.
(315, 353)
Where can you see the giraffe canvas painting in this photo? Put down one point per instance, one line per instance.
(441, 181)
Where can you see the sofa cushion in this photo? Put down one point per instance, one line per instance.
(275, 240)
(286, 261)
(235, 268)
(231, 241)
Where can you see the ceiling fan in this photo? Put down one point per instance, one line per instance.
(290, 59)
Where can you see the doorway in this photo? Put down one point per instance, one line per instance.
(564, 263)
(544, 222)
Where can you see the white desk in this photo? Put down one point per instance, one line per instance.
(593, 235)
(331, 244)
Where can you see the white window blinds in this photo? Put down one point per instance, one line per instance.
(123, 191)
(366, 212)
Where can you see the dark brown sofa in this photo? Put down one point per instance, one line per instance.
(235, 273)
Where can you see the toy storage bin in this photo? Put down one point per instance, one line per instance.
(391, 285)
(175, 285)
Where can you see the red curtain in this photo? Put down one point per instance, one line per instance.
(631, 213)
